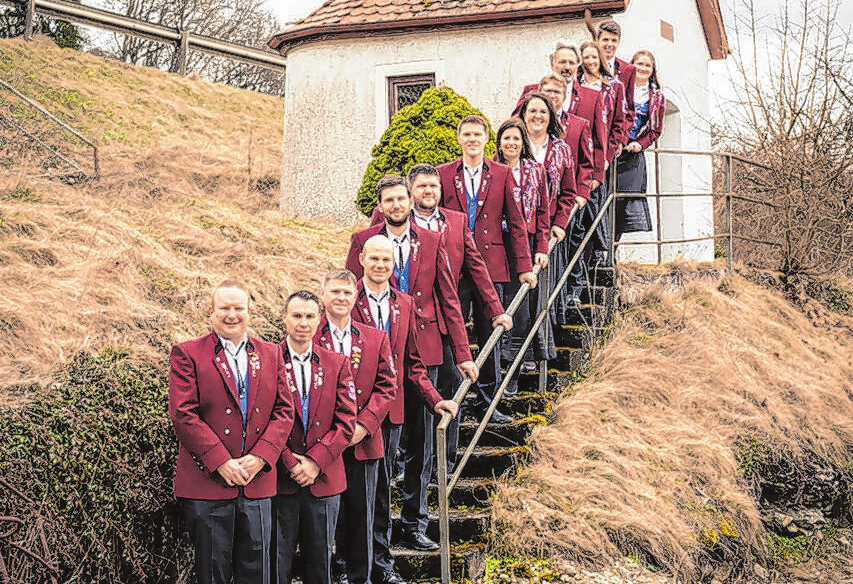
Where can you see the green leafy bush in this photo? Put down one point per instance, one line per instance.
(424, 132)
(96, 453)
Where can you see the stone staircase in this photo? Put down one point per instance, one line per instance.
(503, 447)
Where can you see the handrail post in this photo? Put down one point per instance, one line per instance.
(658, 206)
(543, 364)
(183, 52)
(443, 519)
(29, 19)
(611, 219)
(729, 221)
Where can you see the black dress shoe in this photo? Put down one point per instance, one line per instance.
(399, 478)
(340, 578)
(389, 578)
(418, 541)
(499, 418)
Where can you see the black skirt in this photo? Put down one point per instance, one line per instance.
(632, 213)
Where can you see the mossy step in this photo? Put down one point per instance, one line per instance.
(511, 434)
(465, 525)
(467, 562)
(577, 336)
(493, 461)
(468, 493)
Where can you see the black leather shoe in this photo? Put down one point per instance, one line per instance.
(390, 578)
(499, 418)
(340, 578)
(399, 478)
(418, 541)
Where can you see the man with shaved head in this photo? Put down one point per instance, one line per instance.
(379, 304)
(232, 414)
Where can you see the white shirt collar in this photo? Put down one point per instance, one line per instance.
(233, 349)
(300, 356)
(382, 295)
(341, 333)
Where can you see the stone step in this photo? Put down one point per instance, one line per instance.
(472, 526)
(493, 461)
(468, 494)
(577, 336)
(467, 563)
(512, 434)
(601, 277)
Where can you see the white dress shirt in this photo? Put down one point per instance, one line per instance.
(238, 360)
(403, 242)
(379, 304)
(539, 152)
(432, 223)
(301, 362)
(341, 337)
(477, 175)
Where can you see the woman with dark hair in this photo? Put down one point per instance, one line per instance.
(595, 74)
(632, 214)
(547, 147)
(531, 195)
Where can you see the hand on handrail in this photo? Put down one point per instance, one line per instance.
(469, 369)
(504, 320)
(447, 406)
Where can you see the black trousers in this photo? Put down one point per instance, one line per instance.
(490, 373)
(419, 452)
(383, 562)
(354, 535)
(231, 538)
(302, 518)
(449, 379)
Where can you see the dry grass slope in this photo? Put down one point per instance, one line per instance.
(188, 195)
(650, 454)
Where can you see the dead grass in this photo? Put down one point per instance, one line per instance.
(188, 195)
(643, 456)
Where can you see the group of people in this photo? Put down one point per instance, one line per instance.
(297, 444)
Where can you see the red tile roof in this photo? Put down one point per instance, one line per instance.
(354, 18)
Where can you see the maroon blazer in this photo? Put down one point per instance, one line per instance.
(495, 202)
(205, 411)
(372, 367)
(533, 202)
(616, 114)
(433, 288)
(652, 129)
(331, 422)
(588, 104)
(560, 170)
(579, 139)
(462, 254)
(627, 74)
(404, 349)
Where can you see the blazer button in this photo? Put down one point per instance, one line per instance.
(418, 293)
(227, 432)
(316, 423)
(257, 410)
(485, 215)
(486, 231)
(422, 326)
(257, 430)
(487, 246)
(420, 309)
(227, 411)
(359, 392)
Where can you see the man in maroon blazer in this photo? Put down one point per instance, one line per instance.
(369, 353)
(483, 190)
(311, 470)
(583, 102)
(380, 305)
(609, 37)
(231, 413)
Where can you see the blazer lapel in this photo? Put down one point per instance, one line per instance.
(415, 255)
(291, 385)
(363, 306)
(483, 193)
(253, 362)
(317, 383)
(394, 327)
(459, 189)
(325, 338)
(221, 364)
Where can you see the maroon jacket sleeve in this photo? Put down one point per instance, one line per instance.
(274, 438)
(517, 227)
(543, 212)
(479, 272)
(628, 76)
(584, 162)
(335, 441)
(192, 431)
(657, 111)
(416, 371)
(384, 390)
(599, 139)
(451, 310)
(568, 193)
(618, 134)
(352, 264)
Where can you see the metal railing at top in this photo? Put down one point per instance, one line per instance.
(185, 41)
(6, 119)
(445, 487)
(730, 196)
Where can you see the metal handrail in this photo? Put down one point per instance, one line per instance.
(57, 121)
(445, 488)
(729, 235)
(113, 22)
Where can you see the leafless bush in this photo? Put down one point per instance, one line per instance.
(792, 114)
(244, 22)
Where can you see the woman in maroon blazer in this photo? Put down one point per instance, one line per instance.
(632, 214)
(530, 191)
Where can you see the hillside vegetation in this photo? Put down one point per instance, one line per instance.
(712, 438)
(188, 194)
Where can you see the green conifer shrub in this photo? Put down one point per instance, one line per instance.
(424, 132)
